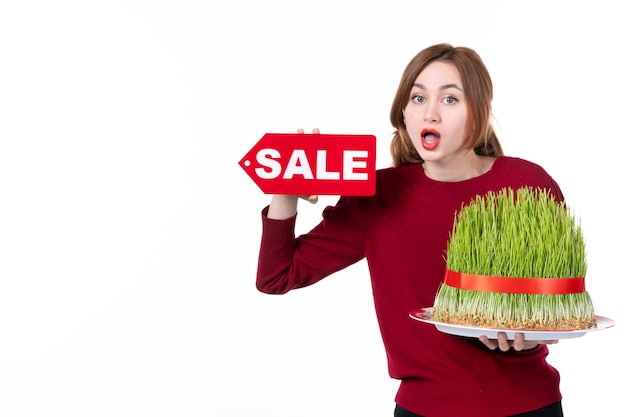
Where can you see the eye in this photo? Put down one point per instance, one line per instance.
(418, 99)
(450, 100)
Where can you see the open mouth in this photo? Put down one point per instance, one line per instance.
(430, 139)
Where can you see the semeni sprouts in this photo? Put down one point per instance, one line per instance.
(523, 234)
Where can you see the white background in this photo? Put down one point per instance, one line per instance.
(129, 234)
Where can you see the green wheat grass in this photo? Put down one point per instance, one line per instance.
(524, 233)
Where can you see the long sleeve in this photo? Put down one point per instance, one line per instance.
(287, 262)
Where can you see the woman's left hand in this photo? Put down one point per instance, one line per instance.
(518, 343)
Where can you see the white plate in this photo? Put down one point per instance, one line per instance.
(423, 315)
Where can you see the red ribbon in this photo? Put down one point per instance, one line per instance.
(511, 285)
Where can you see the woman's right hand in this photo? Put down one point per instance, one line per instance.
(284, 206)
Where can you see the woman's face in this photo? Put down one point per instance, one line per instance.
(436, 114)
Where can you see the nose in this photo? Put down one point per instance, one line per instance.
(431, 115)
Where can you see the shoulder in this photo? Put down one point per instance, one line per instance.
(518, 166)
(519, 163)
(518, 172)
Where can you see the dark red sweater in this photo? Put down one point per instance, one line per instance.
(403, 231)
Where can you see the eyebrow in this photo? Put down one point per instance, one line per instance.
(443, 87)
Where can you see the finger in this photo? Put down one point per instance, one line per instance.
(310, 198)
(518, 342)
(315, 131)
(488, 342)
(548, 342)
(503, 342)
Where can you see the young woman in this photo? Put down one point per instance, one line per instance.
(445, 152)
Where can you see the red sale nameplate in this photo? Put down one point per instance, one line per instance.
(313, 164)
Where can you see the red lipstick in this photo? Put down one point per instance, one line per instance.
(430, 139)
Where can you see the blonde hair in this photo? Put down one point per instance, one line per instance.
(478, 93)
